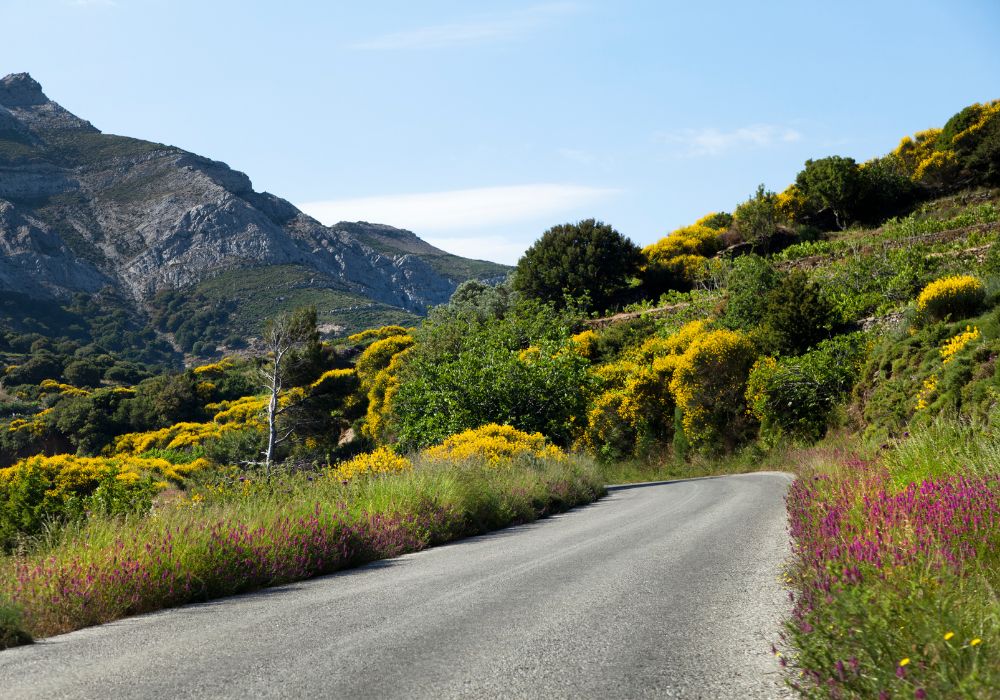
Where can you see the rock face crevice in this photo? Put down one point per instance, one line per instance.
(81, 211)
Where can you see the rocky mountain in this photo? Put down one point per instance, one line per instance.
(86, 212)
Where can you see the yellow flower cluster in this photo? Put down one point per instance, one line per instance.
(710, 379)
(926, 392)
(496, 444)
(68, 474)
(673, 345)
(696, 239)
(340, 381)
(51, 386)
(246, 410)
(376, 334)
(986, 113)
(584, 344)
(952, 294)
(177, 437)
(377, 357)
(34, 426)
(214, 369)
(791, 203)
(954, 346)
(381, 461)
(383, 387)
(911, 152)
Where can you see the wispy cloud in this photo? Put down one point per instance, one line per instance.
(93, 3)
(470, 32)
(461, 210)
(714, 142)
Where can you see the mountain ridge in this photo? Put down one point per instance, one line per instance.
(82, 211)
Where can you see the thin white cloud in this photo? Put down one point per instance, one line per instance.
(471, 32)
(714, 142)
(499, 249)
(93, 3)
(462, 210)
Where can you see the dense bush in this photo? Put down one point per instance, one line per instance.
(39, 491)
(952, 297)
(587, 259)
(751, 279)
(461, 376)
(709, 384)
(757, 219)
(795, 396)
(797, 314)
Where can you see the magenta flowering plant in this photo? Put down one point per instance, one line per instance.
(894, 585)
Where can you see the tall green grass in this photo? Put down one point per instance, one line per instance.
(222, 540)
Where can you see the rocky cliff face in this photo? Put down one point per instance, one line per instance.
(82, 211)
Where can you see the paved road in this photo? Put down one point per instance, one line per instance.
(668, 590)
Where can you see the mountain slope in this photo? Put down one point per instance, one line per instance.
(83, 211)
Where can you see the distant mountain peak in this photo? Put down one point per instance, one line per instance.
(21, 90)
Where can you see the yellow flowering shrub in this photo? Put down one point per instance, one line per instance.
(335, 381)
(35, 427)
(179, 436)
(790, 204)
(383, 388)
(214, 369)
(697, 240)
(496, 444)
(584, 344)
(371, 334)
(51, 386)
(672, 345)
(636, 408)
(39, 489)
(614, 374)
(956, 296)
(955, 345)
(377, 357)
(937, 169)
(912, 151)
(984, 113)
(381, 461)
(246, 409)
(709, 385)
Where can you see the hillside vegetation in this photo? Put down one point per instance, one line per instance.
(846, 328)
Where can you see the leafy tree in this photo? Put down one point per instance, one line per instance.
(757, 219)
(751, 279)
(514, 371)
(585, 258)
(886, 189)
(833, 184)
(82, 373)
(797, 314)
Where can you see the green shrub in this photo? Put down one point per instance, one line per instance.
(795, 396)
(751, 279)
(797, 314)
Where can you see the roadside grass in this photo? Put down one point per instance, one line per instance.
(228, 539)
(897, 568)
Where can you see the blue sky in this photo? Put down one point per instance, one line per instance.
(479, 125)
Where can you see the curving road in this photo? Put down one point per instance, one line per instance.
(663, 590)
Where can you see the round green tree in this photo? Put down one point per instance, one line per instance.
(587, 258)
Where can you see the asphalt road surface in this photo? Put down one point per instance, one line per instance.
(665, 590)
